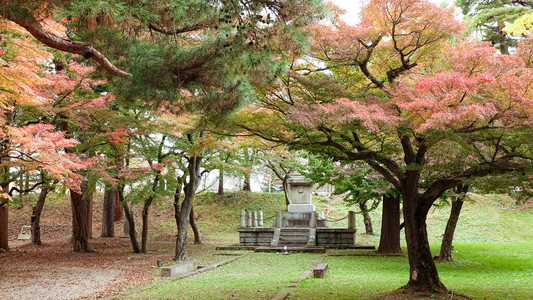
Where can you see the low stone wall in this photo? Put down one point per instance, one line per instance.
(335, 237)
(261, 236)
(325, 237)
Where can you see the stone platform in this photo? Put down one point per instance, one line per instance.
(323, 237)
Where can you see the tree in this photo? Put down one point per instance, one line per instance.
(415, 98)
(282, 163)
(361, 185)
(445, 254)
(27, 142)
(494, 19)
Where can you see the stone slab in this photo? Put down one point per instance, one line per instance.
(292, 249)
(301, 208)
(320, 270)
(177, 269)
(235, 247)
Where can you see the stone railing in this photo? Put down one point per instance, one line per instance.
(255, 219)
(252, 232)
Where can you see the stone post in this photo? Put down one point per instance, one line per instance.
(248, 219)
(243, 219)
(277, 224)
(260, 221)
(313, 219)
(351, 219)
(254, 219)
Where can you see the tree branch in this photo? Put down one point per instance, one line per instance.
(25, 19)
(13, 189)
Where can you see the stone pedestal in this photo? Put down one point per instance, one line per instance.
(296, 219)
(301, 208)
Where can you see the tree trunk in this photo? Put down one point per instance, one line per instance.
(423, 272)
(144, 235)
(80, 211)
(446, 246)
(90, 195)
(4, 222)
(221, 183)
(366, 218)
(21, 188)
(36, 216)
(182, 212)
(131, 224)
(195, 229)
(4, 229)
(108, 215)
(286, 190)
(145, 214)
(389, 241)
(247, 185)
(119, 213)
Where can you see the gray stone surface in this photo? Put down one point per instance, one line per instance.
(320, 270)
(301, 194)
(335, 237)
(259, 236)
(177, 269)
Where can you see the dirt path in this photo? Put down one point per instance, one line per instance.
(53, 271)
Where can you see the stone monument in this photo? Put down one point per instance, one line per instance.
(301, 212)
(301, 194)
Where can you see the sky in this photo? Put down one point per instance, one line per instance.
(353, 7)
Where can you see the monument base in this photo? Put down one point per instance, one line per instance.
(294, 219)
(301, 208)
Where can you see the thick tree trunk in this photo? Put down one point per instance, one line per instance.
(389, 241)
(194, 226)
(36, 216)
(4, 222)
(446, 246)
(423, 272)
(247, 185)
(80, 211)
(4, 225)
(108, 214)
(119, 212)
(366, 218)
(90, 195)
(182, 213)
(221, 183)
(4, 228)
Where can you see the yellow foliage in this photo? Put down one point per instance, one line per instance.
(520, 26)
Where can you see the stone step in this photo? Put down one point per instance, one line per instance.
(290, 229)
(294, 233)
(292, 244)
(294, 238)
(292, 249)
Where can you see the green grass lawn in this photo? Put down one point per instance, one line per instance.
(493, 255)
(480, 271)
(254, 276)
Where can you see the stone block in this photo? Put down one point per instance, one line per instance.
(320, 270)
(301, 208)
(177, 269)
